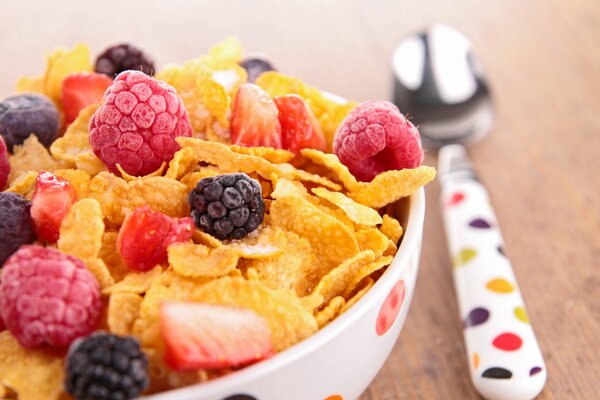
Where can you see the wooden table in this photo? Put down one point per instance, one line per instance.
(541, 162)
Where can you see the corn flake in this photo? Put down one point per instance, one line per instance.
(369, 282)
(358, 213)
(332, 310)
(130, 178)
(135, 282)
(367, 270)
(183, 161)
(77, 178)
(204, 238)
(391, 228)
(288, 319)
(264, 243)
(197, 260)
(82, 229)
(331, 240)
(390, 186)
(271, 154)
(32, 374)
(24, 184)
(333, 163)
(62, 62)
(31, 156)
(123, 310)
(372, 239)
(30, 84)
(337, 280)
(297, 268)
(100, 271)
(111, 257)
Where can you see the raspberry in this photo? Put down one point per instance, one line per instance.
(106, 367)
(256, 66)
(123, 57)
(47, 297)
(137, 125)
(16, 227)
(4, 164)
(376, 137)
(145, 235)
(227, 206)
(24, 114)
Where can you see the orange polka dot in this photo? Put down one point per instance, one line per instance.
(334, 397)
(475, 360)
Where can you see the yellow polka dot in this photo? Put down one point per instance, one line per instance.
(521, 314)
(500, 285)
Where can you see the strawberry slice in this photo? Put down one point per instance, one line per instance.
(51, 201)
(145, 235)
(81, 89)
(299, 127)
(254, 120)
(198, 335)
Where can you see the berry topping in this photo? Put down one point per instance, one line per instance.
(227, 206)
(200, 335)
(137, 125)
(145, 235)
(106, 367)
(376, 137)
(255, 67)
(47, 297)
(254, 121)
(24, 114)
(15, 224)
(4, 164)
(123, 57)
(52, 199)
(81, 89)
(299, 127)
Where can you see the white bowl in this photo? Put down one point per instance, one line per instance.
(340, 361)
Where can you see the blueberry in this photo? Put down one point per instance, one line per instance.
(15, 224)
(24, 114)
(255, 67)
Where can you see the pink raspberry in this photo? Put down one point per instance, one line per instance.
(137, 124)
(4, 165)
(376, 137)
(47, 297)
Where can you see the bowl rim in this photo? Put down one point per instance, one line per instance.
(411, 238)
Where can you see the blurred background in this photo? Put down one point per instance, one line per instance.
(541, 162)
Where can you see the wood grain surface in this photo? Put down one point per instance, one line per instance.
(541, 162)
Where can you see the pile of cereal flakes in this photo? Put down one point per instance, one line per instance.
(147, 249)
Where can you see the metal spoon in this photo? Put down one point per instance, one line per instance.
(441, 86)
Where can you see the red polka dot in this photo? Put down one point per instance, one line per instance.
(455, 199)
(390, 308)
(508, 342)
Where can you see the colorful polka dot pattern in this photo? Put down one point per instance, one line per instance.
(480, 266)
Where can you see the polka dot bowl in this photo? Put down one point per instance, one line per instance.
(341, 360)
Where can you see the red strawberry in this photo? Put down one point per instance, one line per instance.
(52, 199)
(200, 336)
(299, 127)
(145, 235)
(254, 120)
(81, 89)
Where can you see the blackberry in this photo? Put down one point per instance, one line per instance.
(123, 57)
(24, 114)
(255, 67)
(15, 224)
(106, 367)
(227, 206)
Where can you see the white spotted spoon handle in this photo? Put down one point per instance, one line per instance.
(505, 361)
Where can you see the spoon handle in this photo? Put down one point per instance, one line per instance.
(505, 361)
